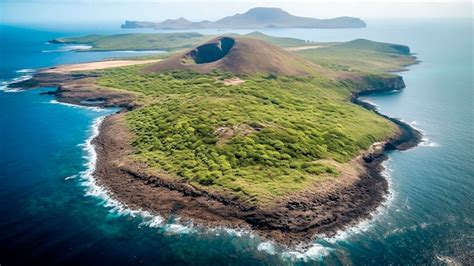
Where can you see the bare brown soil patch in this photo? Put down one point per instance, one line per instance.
(244, 56)
(224, 134)
(233, 81)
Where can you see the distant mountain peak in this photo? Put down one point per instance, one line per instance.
(178, 20)
(182, 19)
(263, 10)
(266, 13)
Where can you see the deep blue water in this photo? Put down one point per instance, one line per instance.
(50, 214)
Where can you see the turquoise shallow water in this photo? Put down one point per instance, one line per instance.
(50, 215)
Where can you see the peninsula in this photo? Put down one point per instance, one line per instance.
(255, 18)
(239, 131)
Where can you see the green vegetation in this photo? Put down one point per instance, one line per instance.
(265, 138)
(379, 47)
(361, 56)
(139, 41)
(165, 41)
(282, 41)
(259, 140)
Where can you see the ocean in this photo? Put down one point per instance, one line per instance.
(53, 213)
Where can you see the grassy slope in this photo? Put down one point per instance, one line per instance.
(279, 128)
(139, 41)
(285, 42)
(165, 41)
(360, 56)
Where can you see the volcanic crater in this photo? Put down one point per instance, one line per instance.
(238, 55)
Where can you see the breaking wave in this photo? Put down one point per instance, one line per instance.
(4, 84)
(68, 48)
(425, 142)
(366, 224)
(70, 177)
(91, 108)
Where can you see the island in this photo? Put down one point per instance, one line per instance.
(256, 132)
(255, 18)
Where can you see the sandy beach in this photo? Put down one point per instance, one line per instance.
(302, 48)
(63, 69)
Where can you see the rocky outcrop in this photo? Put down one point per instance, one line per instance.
(78, 88)
(409, 137)
(381, 83)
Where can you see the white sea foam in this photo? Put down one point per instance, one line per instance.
(155, 221)
(78, 47)
(366, 224)
(21, 78)
(237, 232)
(68, 48)
(92, 108)
(26, 70)
(140, 52)
(267, 247)
(95, 190)
(6, 89)
(315, 252)
(4, 84)
(413, 124)
(403, 229)
(176, 228)
(423, 225)
(370, 102)
(70, 177)
(448, 260)
(425, 142)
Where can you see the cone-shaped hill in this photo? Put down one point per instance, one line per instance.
(239, 55)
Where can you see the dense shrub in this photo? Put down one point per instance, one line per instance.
(278, 129)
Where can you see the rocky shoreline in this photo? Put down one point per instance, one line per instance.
(321, 210)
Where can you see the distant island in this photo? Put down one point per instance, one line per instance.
(255, 18)
(244, 131)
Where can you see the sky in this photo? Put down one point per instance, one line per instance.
(61, 11)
